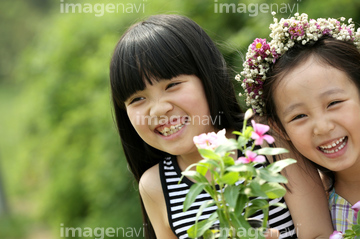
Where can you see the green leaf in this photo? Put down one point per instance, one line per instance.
(279, 165)
(349, 234)
(278, 204)
(242, 168)
(209, 235)
(202, 169)
(207, 153)
(237, 133)
(194, 191)
(248, 132)
(358, 218)
(231, 194)
(273, 190)
(356, 229)
(244, 226)
(271, 151)
(240, 204)
(229, 178)
(199, 228)
(209, 163)
(203, 206)
(236, 221)
(256, 205)
(269, 176)
(224, 223)
(254, 190)
(228, 161)
(230, 144)
(198, 177)
(242, 141)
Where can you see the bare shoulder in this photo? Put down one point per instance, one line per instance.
(150, 183)
(154, 201)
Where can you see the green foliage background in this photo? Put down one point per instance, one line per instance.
(61, 163)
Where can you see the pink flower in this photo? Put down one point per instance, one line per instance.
(251, 157)
(260, 46)
(336, 235)
(210, 140)
(356, 208)
(259, 133)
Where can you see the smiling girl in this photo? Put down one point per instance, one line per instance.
(310, 92)
(169, 83)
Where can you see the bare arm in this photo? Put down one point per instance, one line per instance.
(154, 202)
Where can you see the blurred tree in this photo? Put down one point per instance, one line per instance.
(62, 159)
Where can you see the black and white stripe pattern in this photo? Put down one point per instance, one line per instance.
(180, 221)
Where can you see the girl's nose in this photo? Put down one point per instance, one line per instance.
(323, 126)
(160, 108)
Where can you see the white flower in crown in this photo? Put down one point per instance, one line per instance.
(284, 35)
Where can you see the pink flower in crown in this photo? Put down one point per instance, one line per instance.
(336, 235)
(356, 208)
(210, 140)
(251, 157)
(260, 46)
(259, 133)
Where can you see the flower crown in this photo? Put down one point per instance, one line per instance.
(285, 34)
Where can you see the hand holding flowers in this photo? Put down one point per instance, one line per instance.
(237, 187)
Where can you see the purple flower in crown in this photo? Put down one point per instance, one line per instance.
(255, 86)
(296, 30)
(326, 31)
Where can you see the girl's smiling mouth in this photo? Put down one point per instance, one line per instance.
(167, 131)
(333, 147)
(171, 127)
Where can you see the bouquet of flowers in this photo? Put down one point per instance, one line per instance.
(238, 188)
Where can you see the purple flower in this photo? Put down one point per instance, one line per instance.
(296, 30)
(259, 133)
(336, 235)
(251, 157)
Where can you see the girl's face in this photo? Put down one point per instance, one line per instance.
(319, 107)
(169, 113)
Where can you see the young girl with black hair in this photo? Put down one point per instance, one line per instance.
(170, 83)
(309, 89)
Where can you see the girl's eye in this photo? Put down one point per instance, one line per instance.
(136, 99)
(334, 103)
(172, 84)
(300, 116)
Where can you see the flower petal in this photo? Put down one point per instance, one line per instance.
(250, 155)
(269, 139)
(260, 159)
(262, 129)
(336, 235)
(258, 138)
(356, 208)
(242, 160)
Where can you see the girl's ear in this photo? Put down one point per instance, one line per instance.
(274, 126)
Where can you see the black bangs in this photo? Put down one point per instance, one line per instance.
(156, 55)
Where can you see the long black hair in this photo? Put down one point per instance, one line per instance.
(341, 55)
(163, 47)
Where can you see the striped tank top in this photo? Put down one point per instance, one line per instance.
(180, 221)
